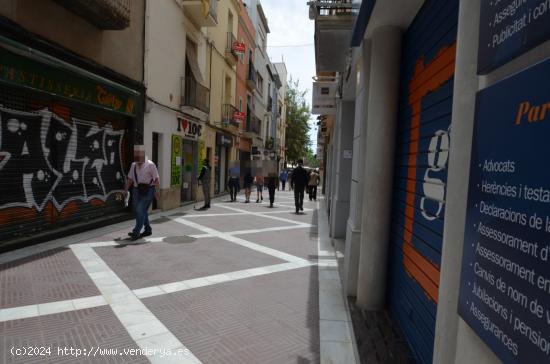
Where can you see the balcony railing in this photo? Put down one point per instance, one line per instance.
(228, 115)
(104, 14)
(194, 94)
(254, 125)
(251, 77)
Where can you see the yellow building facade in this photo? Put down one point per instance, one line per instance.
(222, 130)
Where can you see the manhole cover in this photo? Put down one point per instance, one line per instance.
(179, 240)
(160, 220)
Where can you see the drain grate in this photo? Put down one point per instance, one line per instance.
(160, 220)
(179, 239)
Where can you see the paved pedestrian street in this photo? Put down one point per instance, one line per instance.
(237, 283)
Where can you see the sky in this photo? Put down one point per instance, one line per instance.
(291, 40)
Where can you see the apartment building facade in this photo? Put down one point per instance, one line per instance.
(71, 97)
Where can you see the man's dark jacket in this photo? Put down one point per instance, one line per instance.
(299, 178)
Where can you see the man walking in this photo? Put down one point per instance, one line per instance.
(204, 178)
(271, 185)
(283, 177)
(299, 182)
(312, 185)
(145, 182)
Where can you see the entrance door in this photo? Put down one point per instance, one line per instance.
(155, 160)
(187, 170)
(217, 169)
(426, 98)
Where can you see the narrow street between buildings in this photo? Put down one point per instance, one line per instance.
(237, 283)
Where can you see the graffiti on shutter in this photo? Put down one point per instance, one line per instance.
(43, 158)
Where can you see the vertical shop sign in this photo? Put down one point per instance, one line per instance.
(175, 178)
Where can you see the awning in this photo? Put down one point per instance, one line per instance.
(194, 65)
(26, 67)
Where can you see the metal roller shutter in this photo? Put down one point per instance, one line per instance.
(61, 162)
(426, 95)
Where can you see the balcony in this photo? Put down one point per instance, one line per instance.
(251, 77)
(103, 14)
(231, 56)
(253, 125)
(228, 115)
(270, 143)
(203, 13)
(334, 20)
(194, 96)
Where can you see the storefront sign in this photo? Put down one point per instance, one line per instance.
(56, 77)
(175, 177)
(238, 115)
(224, 140)
(324, 98)
(505, 282)
(509, 28)
(191, 130)
(239, 47)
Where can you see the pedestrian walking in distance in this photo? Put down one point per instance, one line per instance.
(272, 184)
(234, 187)
(299, 182)
(259, 180)
(312, 185)
(247, 182)
(283, 177)
(289, 178)
(144, 179)
(204, 178)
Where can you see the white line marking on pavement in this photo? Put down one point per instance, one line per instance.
(242, 242)
(266, 216)
(216, 279)
(129, 309)
(253, 231)
(244, 213)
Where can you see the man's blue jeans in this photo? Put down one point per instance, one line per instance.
(141, 208)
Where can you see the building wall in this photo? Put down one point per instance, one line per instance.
(454, 340)
(280, 67)
(119, 50)
(260, 62)
(220, 68)
(246, 34)
(165, 51)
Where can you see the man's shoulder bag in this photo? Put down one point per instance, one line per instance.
(143, 188)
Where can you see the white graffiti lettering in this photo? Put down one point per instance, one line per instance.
(44, 158)
(431, 204)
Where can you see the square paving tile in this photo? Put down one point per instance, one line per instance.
(299, 242)
(238, 222)
(54, 275)
(266, 319)
(83, 330)
(180, 258)
(161, 227)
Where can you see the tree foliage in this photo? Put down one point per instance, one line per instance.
(297, 117)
